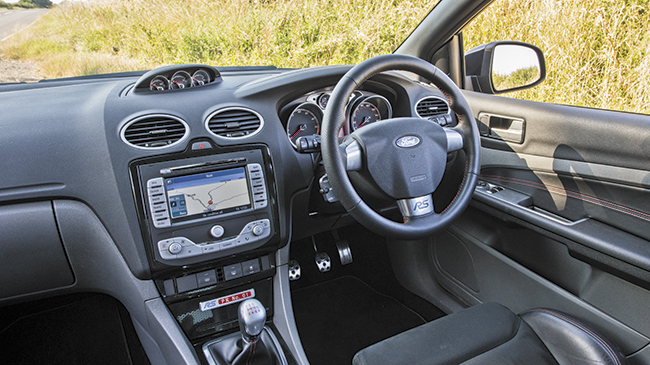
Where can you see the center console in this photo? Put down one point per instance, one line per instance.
(210, 223)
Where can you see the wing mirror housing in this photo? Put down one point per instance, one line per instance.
(504, 66)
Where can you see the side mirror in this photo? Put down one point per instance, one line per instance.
(500, 67)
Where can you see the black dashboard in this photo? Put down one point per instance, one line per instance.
(197, 187)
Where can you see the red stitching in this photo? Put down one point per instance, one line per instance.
(608, 349)
(561, 191)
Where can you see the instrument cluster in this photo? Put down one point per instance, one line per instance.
(363, 108)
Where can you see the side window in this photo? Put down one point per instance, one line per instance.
(597, 52)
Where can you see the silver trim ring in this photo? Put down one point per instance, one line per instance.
(431, 97)
(207, 122)
(137, 119)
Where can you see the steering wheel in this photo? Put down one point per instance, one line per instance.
(405, 157)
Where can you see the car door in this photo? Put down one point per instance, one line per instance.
(561, 216)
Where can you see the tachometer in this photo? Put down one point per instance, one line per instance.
(364, 114)
(181, 80)
(303, 121)
(159, 83)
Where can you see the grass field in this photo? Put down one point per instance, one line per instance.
(596, 50)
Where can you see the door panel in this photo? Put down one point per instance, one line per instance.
(560, 220)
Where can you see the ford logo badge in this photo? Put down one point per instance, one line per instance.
(407, 141)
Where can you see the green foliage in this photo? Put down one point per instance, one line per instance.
(4, 5)
(518, 78)
(31, 4)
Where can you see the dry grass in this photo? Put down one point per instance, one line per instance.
(88, 37)
(597, 51)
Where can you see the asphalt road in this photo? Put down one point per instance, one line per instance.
(14, 20)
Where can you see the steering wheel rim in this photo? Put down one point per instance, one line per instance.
(336, 169)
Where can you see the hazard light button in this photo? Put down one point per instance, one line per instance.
(201, 146)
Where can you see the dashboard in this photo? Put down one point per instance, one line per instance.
(184, 194)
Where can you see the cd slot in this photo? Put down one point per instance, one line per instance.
(203, 165)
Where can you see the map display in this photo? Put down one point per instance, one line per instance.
(209, 193)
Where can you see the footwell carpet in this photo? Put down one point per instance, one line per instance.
(337, 318)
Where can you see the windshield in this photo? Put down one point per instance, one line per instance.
(89, 37)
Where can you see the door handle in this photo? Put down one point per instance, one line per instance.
(509, 129)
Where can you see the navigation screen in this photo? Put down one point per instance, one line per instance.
(211, 193)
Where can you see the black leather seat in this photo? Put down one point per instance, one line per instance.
(491, 334)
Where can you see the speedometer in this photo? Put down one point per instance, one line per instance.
(364, 114)
(303, 121)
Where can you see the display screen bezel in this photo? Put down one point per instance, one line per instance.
(226, 211)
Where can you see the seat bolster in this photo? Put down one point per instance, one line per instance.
(571, 342)
(451, 339)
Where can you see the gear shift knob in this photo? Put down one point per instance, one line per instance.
(252, 316)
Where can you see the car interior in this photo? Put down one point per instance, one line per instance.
(398, 211)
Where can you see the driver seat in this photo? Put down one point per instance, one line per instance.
(491, 334)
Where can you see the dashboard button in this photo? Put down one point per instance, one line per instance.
(232, 272)
(186, 283)
(256, 174)
(258, 230)
(259, 197)
(261, 204)
(211, 248)
(227, 244)
(257, 182)
(216, 231)
(155, 183)
(201, 146)
(250, 267)
(175, 248)
(206, 278)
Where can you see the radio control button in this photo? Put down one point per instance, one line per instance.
(211, 248)
(217, 231)
(227, 244)
(258, 189)
(258, 230)
(160, 215)
(256, 174)
(175, 248)
(257, 182)
(261, 204)
(156, 191)
(259, 197)
(162, 223)
(158, 199)
(154, 183)
(254, 167)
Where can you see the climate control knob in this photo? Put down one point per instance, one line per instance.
(175, 248)
(258, 230)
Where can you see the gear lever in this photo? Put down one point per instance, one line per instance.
(252, 316)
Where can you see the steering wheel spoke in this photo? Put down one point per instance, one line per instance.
(352, 155)
(454, 140)
(416, 207)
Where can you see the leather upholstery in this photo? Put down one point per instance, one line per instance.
(491, 334)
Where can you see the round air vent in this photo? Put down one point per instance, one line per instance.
(234, 123)
(430, 106)
(155, 131)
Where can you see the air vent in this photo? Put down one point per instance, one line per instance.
(234, 123)
(431, 106)
(154, 131)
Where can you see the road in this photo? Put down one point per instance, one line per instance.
(14, 20)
